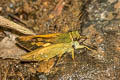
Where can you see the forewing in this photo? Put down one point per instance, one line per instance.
(46, 53)
(39, 41)
(36, 41)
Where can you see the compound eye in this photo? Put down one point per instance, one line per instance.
(73, 46)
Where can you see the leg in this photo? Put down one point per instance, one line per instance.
(73, 57)
(60, 55)
(71, 36)
(91, 49)
(77, 46)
